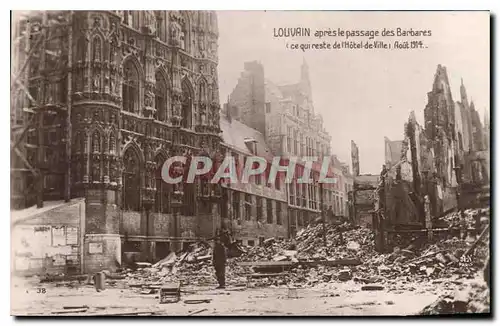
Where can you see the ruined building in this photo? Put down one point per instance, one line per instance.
(101, 100)
(362, 199)
(444, 160)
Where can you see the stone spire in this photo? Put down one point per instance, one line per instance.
(463, 94)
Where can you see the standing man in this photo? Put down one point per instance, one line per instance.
(219, 261)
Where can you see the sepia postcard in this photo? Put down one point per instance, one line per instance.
(250, 163)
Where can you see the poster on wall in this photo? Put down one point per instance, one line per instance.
(42, 240)
(22, 241)
(71, 236)
(95, 248)
(58, 236)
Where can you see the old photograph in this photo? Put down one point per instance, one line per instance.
(250, 163)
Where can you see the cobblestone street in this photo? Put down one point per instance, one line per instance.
(334, 299)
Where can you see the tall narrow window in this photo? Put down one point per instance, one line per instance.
(189, 199)
(248, 207)
(302, 150)
(289, 139)
(291, 188)
(130, 90)
(162, 200)
(278, 213)
(187, 104)
(236, 205)
(236, 164)
(269, 208)
(277, 181)
(131, 181)
(202, 98)
(304, 195)
(296, 142)
(161, 98)
(259, 209)
(297, 194)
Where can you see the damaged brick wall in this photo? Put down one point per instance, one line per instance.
(249, 96)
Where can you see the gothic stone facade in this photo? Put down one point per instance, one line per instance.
(144, 89)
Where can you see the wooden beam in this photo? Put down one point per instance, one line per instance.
(25, 161)
(25, 64)
(23, 133)
(67, 183)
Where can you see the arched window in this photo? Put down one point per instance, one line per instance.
(96, 49)
(161, 98)
(130, 89)
(162, 201)
(131, 181)
(187, 104)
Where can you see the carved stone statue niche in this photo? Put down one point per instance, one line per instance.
(175, 33)
(150, 21)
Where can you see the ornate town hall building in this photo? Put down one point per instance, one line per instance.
(102, 99)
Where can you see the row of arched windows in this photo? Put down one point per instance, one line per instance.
(96, 49)
(98, 144)
(132, 182)
(131, 88)
(163, 106)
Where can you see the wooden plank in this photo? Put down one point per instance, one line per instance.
(267, 263)
(69, 311)
(197, 312)
(263, 275)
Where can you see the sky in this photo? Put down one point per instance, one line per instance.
(363, 95)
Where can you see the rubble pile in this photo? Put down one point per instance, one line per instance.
(472, 217)
(475, 299)
(440, 260)
(193, 267)
(342, 241)
(269, 251)
(349, 254)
